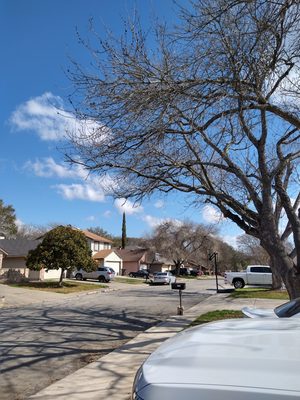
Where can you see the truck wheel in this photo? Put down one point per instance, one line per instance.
(238, 283)
(78, 277)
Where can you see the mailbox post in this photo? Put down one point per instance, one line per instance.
(180, 287)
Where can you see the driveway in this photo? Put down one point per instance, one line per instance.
(48, 339)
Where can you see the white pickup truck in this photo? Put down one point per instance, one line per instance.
(254, 275)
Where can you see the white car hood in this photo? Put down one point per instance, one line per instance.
(259, 312)
(244, 353)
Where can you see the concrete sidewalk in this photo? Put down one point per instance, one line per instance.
(111, 377)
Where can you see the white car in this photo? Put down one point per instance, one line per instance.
(163, 277)
(291, 309)
(102, 274)
(238, 359)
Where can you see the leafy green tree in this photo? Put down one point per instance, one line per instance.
(124, 238)
(7, 220)
(62, 247)
(101, 232)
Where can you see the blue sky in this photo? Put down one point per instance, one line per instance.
(37, 39)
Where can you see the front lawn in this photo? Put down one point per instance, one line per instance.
(132, 281)
(52, 286)
(259, 293)
(216, 316)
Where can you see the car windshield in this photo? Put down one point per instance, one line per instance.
(161, 274)
(288, 309)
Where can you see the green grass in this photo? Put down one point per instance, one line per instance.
(216, 316)
(260, 293)
(132, 281)
(52, 286)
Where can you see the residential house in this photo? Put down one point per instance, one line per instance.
(96, 242)
(158, 263)
(13, 253)
(134, 259)
(109, 258)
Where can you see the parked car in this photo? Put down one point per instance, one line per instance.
(248, 359)
(291, 309)
(142, 273)
(163, 277)
(254, 275)
(102, 274)
(182, 271)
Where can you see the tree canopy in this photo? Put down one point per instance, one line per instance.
(62, 247)
(182, 242)
(7, 220)
(212, 110)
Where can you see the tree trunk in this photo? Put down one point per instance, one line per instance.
(292, 284)
(60, 283)
(282, 265)
(276, 277)
(178, 264)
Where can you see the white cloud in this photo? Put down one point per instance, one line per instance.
(46, 116)
(107, 213)
(287, 89)
(231, 240)
(153, 222)
(159, 204)
(91, 218)
(20, 224)
(80, 191)
(48, 167)
(211, 214)
(123, 205)
(41, 115)
(90, 187)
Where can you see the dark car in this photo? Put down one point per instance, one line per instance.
(143, 273)
(182, 271)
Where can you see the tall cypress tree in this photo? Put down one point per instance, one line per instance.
(124, 238)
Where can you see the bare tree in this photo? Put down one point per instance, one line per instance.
(251, 247)
(181, 242)
(212, 112)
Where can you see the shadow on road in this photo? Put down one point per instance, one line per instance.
(39, 346)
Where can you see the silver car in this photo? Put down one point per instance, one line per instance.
(291, 309)
(102, 274)
(163, 278)
(242, 359)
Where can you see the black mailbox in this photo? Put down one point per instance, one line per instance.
(178, 286)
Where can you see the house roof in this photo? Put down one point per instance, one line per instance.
(17, 247)
(95, 237)
(103, 253)
(130, 254)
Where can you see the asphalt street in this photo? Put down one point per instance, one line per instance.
(47, 340)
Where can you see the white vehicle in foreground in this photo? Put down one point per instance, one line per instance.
(238, 359)
(291, 309)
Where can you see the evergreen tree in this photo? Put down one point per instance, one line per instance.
(124, 239)
(7, 220)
